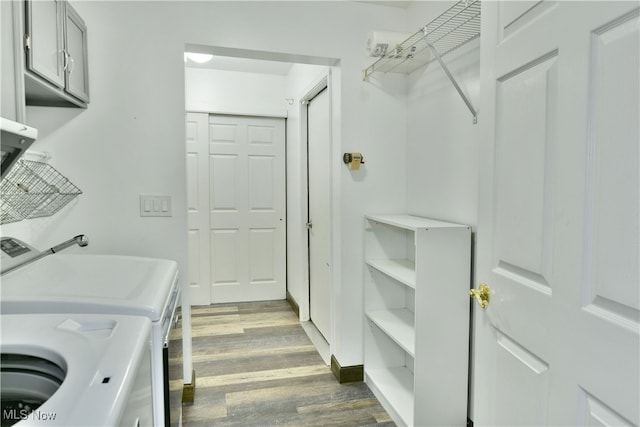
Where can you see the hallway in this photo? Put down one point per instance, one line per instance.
(255, 366)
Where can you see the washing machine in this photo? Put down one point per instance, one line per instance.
(75, 370)
(103, 284)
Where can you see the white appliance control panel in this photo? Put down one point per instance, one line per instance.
(14, 252)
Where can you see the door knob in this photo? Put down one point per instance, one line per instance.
(482, 295)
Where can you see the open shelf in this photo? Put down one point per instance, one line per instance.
(455, 27)
(394, 387)
(409, 222)
(417, 270)
(402, 270)
(399, 325)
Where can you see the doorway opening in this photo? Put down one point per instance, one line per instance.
(242, 83)
(318, 144)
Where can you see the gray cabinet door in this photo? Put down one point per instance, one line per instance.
(56, 54)
(77, 75)
(45, 45)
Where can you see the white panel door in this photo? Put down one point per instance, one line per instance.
(246, 208)
(558, 226)
(318, 128)
(197, 162)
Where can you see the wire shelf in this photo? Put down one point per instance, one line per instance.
(32, 190)
(455, 27)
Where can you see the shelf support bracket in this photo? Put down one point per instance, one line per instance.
(455, 83)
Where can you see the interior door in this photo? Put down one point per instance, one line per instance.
(197, 165)
(236, 208)
(558, 227)
(247, 208)
(318, 140)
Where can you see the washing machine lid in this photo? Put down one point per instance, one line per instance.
(74, 283)
(100, 354)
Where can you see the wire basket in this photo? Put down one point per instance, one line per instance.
(33, 190)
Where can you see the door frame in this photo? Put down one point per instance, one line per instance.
(200, 275)
(319, 291)
(315, 89)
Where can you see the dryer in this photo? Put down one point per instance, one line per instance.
(75, 370)
(105, 284)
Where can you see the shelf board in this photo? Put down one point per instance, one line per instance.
(402, 270)
(394, 388)
(397, 324)
(410, 222)
(455, 27)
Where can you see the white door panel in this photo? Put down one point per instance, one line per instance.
(612, 247)
(197, 208)
(518, 365)
(248, 208)
(319, 195)
(525, 100)
(244, 182)
(558, 227)
(224, 170)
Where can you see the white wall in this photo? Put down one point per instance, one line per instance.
(442, 141)
(233, 92)
(131, 138)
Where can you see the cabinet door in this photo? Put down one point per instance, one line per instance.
(45, 48)
(9, 98)
(77, 76)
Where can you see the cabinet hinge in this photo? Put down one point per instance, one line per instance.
(27, 41)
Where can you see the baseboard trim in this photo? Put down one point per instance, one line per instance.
(294, 305)
(346, 374)
(189, 390)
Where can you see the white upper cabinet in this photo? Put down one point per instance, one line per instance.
(56, 54)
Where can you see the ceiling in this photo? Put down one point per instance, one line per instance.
(246, 65)
(393, 3)
(281, 68)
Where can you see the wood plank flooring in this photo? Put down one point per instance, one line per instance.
(255, 366)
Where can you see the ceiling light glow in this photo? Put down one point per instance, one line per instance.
(200, 58)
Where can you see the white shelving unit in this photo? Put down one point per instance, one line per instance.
(417, 282)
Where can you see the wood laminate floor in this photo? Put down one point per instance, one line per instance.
(255, 366)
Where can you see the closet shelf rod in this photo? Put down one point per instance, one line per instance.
(455, 27)
(455, 83)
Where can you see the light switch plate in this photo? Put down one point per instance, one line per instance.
(155, 205)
